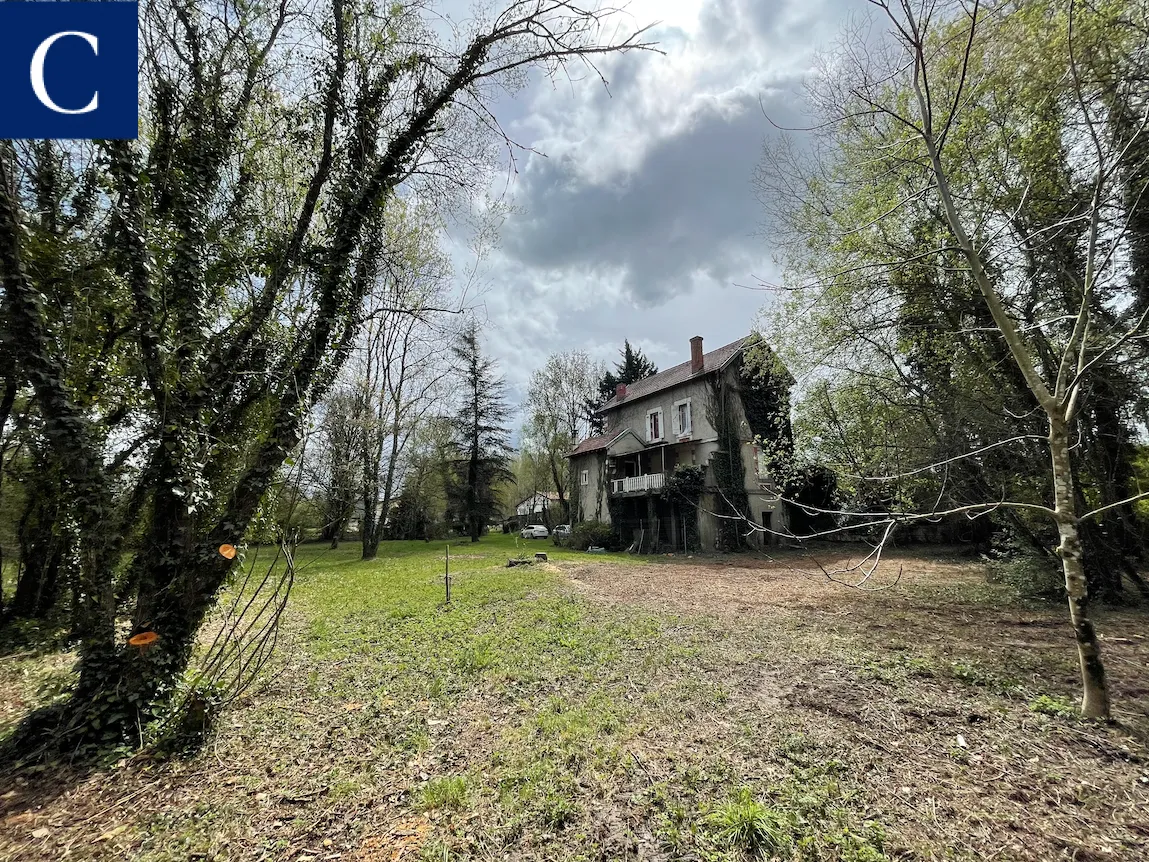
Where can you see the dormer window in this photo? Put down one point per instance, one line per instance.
(654, 426)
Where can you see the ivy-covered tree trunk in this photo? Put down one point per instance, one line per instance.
(731, 502)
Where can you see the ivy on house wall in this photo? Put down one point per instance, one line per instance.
(601, 488)
(765, 385)
(731, 504)
(615, 510)
(685, 486)
(574, 497)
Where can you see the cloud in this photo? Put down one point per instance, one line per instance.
(638, 218)
(686, 209)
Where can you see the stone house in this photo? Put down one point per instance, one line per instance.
(666, 421)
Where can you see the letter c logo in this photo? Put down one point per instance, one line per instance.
(38, 72)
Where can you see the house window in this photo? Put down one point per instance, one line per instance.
(682, 418)
(654, 426)
(761, 463)
(584, 477)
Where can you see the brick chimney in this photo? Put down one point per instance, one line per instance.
(696, 354)
(620, 392)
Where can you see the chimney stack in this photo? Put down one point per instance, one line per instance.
(696, 354)
(620, 392)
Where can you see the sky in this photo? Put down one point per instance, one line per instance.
(637, 218)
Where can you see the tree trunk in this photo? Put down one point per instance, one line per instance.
(370, 538)
(473, 480)
(1095, 693)
(38, 586)
(388, 491)
(564, 508)
(6, 403)
(369, 534)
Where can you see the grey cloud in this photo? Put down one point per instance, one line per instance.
(732, 22)
(688, 208)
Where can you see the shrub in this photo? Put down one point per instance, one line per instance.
(185, 721)
(1059, 707)
(590, 533)
(815, 486)
(1029, 574)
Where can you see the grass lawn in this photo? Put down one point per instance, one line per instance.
(609, 707)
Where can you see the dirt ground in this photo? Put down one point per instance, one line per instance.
(939, 712)
(944, 705)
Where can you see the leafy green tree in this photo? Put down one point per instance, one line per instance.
(335, 463)
(958, 230)
(557, 416)
(421, 509)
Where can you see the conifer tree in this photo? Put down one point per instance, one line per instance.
(635, 366)
(481, 441)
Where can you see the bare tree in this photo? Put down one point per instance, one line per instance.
(912, 117)
(557, 417)
(403, 364)
(334, 464)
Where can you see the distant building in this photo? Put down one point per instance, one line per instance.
(540, 508)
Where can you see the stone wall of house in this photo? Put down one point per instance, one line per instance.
(632, 414)
(592, 498)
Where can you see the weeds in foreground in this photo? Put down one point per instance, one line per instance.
(808, 815)
(744, 823)
(450, 793)
(1058, 707)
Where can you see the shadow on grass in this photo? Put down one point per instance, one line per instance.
(29, 637)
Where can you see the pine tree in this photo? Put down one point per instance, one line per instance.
(481, 442)
(635, 366)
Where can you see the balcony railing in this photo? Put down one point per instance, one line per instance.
(649, 482)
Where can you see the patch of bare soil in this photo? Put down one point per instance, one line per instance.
(949, 700)
(787, 580)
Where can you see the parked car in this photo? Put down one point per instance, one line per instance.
(534, 531)
(562, 531)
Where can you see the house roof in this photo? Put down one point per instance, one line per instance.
(712, 361)
(606, 441)
(546, 495)
(593, 444)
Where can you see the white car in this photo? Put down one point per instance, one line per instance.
(534, 531)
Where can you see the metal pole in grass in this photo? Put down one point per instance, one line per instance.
(447, 572)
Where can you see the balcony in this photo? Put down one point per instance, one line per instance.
(638, 484)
